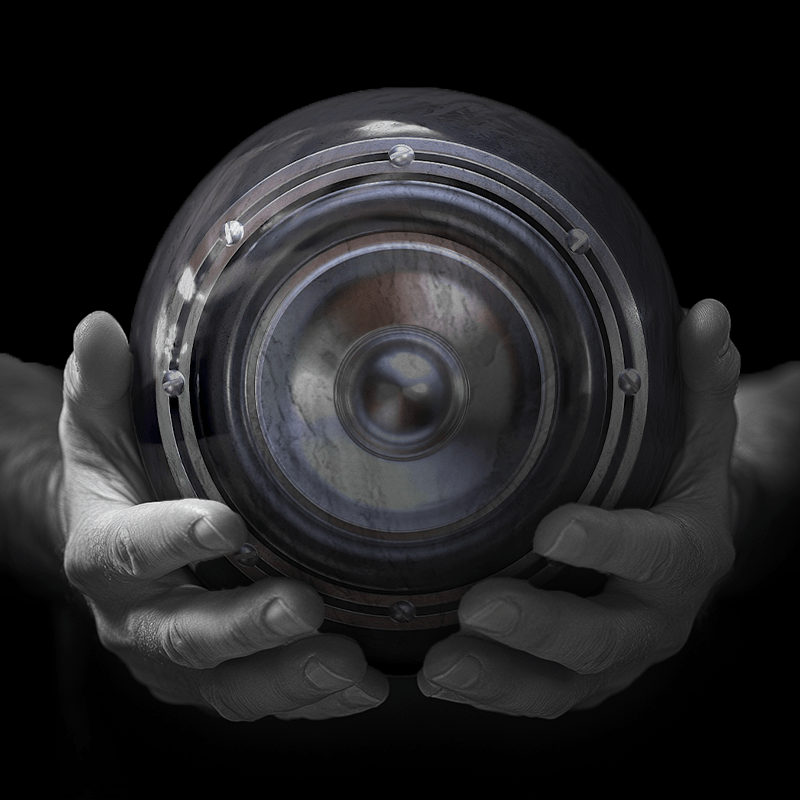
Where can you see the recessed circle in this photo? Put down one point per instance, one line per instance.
(401, 392)
(398, 385)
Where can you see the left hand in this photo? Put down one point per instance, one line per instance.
(538, 653)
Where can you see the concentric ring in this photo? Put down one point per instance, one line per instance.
(475, 369)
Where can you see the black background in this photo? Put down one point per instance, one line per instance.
(106, 143)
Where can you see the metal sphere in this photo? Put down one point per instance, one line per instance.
(399, 327)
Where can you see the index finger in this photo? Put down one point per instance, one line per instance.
(148, 541)
(586, 635)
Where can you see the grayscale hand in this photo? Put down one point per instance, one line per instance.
(245, 653)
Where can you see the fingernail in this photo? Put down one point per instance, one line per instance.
(461, 675)
(281, 619)
(569, 545)
(208, 536)
(501, 616)
(356, 696)
(324, 678)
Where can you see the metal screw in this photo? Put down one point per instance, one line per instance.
(173, 382)
(247, 555)
(232, 232)
(401, 155)
(630, 381)
(577, 240)
(402, 611)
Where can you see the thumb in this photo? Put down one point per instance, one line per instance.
(97, 375)
(638, 545)
(96, 430)
(710, 361)
(710, 366)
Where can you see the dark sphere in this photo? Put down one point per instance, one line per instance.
(393, 330)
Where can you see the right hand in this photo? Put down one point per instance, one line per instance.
(246, 653)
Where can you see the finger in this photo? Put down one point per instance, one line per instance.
(674, 546)
(284, 679)
(97, 375)
(681, 536)
(200, 629)
(141, 543)
(98, 443)
(710, 365)
(633, 544)
(492, 677)
(585, 635)
(709, 360)
(363, 696)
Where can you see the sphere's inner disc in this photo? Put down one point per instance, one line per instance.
(401, 392)
(399, 385)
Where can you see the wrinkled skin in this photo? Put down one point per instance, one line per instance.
(255, 651)
(245, 653)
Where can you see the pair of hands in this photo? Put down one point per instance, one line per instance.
(255, 651)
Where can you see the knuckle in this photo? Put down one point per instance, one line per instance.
(123, 552)
(246, 630)
(100, 554)
(87, 564)
(164, 638)
(146, 636)
(179, 647)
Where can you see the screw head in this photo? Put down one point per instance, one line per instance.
(247, 555)
(630, 381)
(173, 382)
(402, 611)
(401, 155)
(232, 232)
(577, 240)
